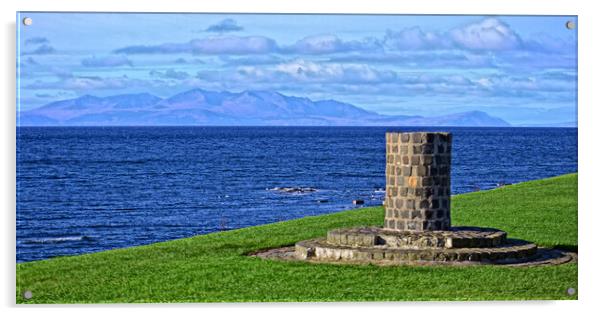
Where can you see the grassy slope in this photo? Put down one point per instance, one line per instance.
(212, 267)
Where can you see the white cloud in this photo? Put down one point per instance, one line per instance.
(301, 70)
(327, 44)
(233, 45)
(488, 34)
(414, 39)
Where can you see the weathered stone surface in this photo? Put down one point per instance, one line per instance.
(511, 251)
(418, 167)
(542, 257)
(457, 237)
(375, 244)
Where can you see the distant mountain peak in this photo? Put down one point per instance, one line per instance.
(248, 107)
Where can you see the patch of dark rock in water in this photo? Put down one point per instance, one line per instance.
(294, 189)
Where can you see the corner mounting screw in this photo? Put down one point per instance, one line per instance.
(570, 25)
(571, 291)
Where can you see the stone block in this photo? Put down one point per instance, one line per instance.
(405, 137)
(403, 191)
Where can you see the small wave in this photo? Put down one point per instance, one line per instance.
(56, 240)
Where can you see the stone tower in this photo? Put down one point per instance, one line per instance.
(417, 227)
(418, 181)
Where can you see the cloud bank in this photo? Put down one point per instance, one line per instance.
(489, 34)
(234, 45)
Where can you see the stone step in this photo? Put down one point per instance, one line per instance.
(513, 250)
(456, 237)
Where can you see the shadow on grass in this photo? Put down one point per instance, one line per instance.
(571, 248)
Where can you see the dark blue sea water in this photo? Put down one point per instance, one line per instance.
(82, 189)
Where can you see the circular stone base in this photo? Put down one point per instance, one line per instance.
(319, 249)
(456, 237)
(458, 245)
(542, 257)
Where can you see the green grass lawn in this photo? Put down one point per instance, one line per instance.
(214, 268)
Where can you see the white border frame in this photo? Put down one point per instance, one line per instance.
(590, 27)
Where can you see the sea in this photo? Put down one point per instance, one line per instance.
(88, 189)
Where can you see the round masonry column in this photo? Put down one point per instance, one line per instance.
(418, 181)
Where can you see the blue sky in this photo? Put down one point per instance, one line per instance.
(519, 68)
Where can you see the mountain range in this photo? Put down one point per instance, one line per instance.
(202, 107)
